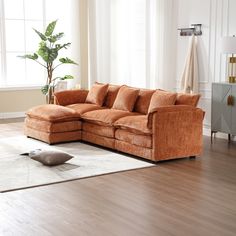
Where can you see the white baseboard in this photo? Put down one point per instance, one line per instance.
(207, 132)
(9, 115)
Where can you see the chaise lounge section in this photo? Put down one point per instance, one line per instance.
(52, 125)
(153, 124)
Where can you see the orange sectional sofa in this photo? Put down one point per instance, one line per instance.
(152, 124)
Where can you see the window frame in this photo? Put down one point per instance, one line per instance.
(4, 86)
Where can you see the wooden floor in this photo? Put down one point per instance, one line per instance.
(183, 197)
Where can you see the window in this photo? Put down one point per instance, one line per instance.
(18, 38)
(17, 20)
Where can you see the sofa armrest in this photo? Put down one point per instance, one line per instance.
(172, 108)
(68, 97)
(177, 131)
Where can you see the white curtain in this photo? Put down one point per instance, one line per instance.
(132, 42)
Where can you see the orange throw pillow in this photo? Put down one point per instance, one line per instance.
(187, 99)
(143, 101)
(125, 98)
(111, 95)
(97, 94)
(162, 98)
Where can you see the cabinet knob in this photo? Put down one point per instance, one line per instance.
(230, 100)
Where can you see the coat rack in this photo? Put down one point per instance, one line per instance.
(195, 30)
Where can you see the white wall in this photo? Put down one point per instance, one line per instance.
(14, 103)
(218, 18)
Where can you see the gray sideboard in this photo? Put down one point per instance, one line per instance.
(223, 109)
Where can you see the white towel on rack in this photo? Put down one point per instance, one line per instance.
(189, 81)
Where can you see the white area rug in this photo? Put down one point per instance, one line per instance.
(18, 172)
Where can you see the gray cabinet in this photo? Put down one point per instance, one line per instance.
(223, 108)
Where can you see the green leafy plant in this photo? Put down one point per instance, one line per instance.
(48, 52)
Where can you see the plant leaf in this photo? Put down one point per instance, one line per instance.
(43, 52)
(59, 46)
(66, 60)
(42, 36)
(30, 56)
(52, 55)
(63, 78)
(42, 44)
(56, 37)
(67, 77)
(50, 28)
(45, 89)
(47, 54)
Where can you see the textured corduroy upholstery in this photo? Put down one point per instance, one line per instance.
(111, 95)
(50, 127)
(53, 113)
(126, 98)
(133, 138)
(136, 124)
(53, 124)
(162, 98)
(177, 132)
(53, 138)
(134, 149)
(105, 116)
(101, 130)
(99, 140)
(81, 108)
(142, 103)
(97, 94)
(68, 97)
(187, 99)
(145, 123)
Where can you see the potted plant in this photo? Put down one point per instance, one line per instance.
(48, 51)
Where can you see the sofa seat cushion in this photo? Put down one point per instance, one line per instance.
(81, 108)
(50, 127)
(105, 117)
(105, 131)
(135, 139)
(52, 113)
(136, 124)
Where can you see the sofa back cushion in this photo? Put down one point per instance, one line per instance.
(143, 101)
(187, 99)
(111, 95)
(161, 98)
(125, 98)
(97, 94)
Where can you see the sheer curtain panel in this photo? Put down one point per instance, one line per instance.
(132, 42)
